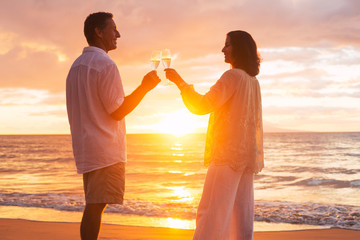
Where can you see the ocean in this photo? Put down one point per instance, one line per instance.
(310, 180)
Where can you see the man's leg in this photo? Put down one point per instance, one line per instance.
(91, 221)
(101, 186)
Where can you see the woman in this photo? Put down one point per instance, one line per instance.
(234, 145)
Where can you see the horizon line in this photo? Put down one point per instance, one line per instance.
(150, 133)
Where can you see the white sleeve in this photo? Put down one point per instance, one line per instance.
(110, 88)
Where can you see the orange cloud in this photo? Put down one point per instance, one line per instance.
(310, 51)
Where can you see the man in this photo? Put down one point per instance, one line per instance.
(96, 107)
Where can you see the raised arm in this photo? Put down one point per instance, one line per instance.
(195, 102)
(200, 104)
(131, 101)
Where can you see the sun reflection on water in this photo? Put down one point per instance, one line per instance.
(183, 194)
(178, 154)
(178, 223)
(177, 148)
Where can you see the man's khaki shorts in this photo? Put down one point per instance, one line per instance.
(105, 185)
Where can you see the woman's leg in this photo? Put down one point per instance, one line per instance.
(242, 221)
(216, 204)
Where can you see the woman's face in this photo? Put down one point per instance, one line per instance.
(227, 49)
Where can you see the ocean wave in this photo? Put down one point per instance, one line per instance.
(353, 154)
(302, 169)
(7, 156)
(355, 183)
(341, 216)
(328, 182)
(60, 160)
(11, 171)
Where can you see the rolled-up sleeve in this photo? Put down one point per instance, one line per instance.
(110, 88)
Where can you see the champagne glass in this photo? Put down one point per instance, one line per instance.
(166, 61)
(155, 59)
(166, 58)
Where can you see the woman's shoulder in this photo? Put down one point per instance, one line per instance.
(235, 72)
(238, 78)
(240, 74)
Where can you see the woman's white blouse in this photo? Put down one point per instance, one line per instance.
(235, 132)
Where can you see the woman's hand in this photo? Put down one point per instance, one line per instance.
(173, 76)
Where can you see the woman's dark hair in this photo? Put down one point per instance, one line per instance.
(95, 20)
(244, 52)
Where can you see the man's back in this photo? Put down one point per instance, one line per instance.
(93, 91)
(96, 107)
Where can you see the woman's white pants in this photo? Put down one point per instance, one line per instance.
(226, 209)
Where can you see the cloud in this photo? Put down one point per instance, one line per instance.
(34, 68)
(310, 50)
(23, 96)
(310, 72)
(192, 28)
(303, 23)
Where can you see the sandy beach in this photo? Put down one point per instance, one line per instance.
(14, 229)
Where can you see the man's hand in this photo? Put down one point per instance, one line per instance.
(150, 80)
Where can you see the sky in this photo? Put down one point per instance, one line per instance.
(309, 75)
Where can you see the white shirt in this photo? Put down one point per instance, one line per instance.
(235, 132)
(93, 91)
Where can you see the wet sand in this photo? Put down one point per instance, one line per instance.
(14, 229)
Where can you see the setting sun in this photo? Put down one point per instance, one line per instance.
(105, 92)
(179, 123)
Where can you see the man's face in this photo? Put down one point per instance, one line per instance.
(110, 35)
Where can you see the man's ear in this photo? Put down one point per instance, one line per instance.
(98, 32)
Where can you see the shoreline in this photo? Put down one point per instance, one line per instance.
(12, 229)
(52, 215)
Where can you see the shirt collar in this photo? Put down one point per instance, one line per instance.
(93, 49)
